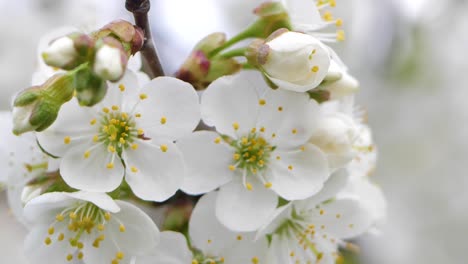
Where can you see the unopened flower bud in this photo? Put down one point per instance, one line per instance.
(291, 60)
(125, 32)
(272, 16)
(270, 9)
(111, 60)
(335, 135)
(60, 52)
(211, 42)
(90, 89)
(69, 52)
(339, 87)
(201, 71)
(36, 108)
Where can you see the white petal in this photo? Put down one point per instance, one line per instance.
(73, 121)
(344, 218)
(101, 200)
(173, 249)
(123, 93)
(206, 232)
(44, 208)
(337, 182)
(153, 174)
(36, 250)
(245, 210)
(134, 62)
(229, 100)
(107, 249)
(298, 174)
(371, 197)
(290, 116)
(304, 14)
(171, 109)
(280, 215)
(278, 252)
(141, 234)
(91, 173)
(207, 162)
(246, 249)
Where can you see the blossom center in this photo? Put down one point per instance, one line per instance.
(82, 219)
(117, 129)
(200, 258)
(252, 153)
(304, 236)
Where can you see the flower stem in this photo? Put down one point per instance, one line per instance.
(151, 64)
(248, 33)
(233, 53)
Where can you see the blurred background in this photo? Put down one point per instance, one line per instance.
(411, 59)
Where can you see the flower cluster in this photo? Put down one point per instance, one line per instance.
(264, 165)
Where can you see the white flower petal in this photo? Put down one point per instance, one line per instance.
(123, 93)
(245, 210)
(245, 250)
(44, 208)
(289, 118)
(101, 200)
(371, 197)
(141, 234)
(278, 252)
(73, 121)
(36, 250)
(207, 162)
(171, 109)
(90, 173)
(298, 174)
(134, 62)
(230, 100)
(344, 218)
(152, 173)
(336, 183)
(280, 215)
(173, 249)
(107, 249)
(206, 232)
(304, 14)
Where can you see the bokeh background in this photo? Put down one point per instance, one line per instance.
(411, 57)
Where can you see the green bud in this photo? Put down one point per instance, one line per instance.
(36, 108)
(270, 9)
(211, 42)
(69, 52)
(272, 16)
(90, 88)
(130, 36)
(222, 67)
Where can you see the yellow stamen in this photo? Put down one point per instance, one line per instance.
(164, 148)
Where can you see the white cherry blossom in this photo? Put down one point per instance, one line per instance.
(22, 161)
(211, 242)
(313, 17)
(337, 132)
(259, 152)
(130, 132)
(311, 230)
(296, 61)
(87, 227)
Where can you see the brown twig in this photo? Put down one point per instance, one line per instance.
(151, 64)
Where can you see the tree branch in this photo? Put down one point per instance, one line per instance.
(151, 64)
